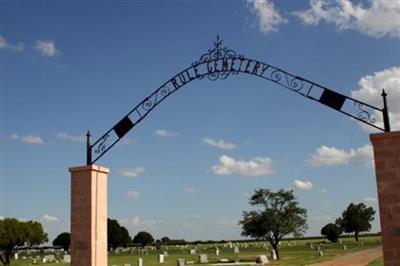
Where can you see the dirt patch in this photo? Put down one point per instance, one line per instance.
(359, 258)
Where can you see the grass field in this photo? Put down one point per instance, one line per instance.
(300, 254)
(378, 262)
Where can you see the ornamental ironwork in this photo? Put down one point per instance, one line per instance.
(219, 63)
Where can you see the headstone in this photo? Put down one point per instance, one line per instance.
(180, 262)
(16, 256)
(127, 264)
(344, 247)
(203, 258)
(165, 253)
(24, 257)
(318, 248)
(139, 262)
(320, 253)
(236, 249)
(262, 259)
(217, 252)
(190, 262)
(223, 260)
(161, 258)
(67, 258)
(192, 251)
(311, 246)
(44, 260)
(50, 258)
(273, 254)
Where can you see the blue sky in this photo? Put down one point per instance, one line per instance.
(188, 169)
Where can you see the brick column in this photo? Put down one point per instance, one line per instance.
(89, 215)
(387, 168)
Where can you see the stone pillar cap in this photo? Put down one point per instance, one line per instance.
(92, 167)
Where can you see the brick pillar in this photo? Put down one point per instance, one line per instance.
(89, 215)
(387, 168)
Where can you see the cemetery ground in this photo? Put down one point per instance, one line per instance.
(298, 253)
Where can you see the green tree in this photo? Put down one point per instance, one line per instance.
(332, 232)
(63, 240)
(165, 240)
(117, 235)
(143, 238)
(278, 214)
(14, 233)
(356, 218)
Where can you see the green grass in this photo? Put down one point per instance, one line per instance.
(377, 262)
(300, 254)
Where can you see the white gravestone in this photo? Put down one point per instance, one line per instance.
(180, 262)
(203, 258)
(67, 258)
(273, 254)
(320, 253)
(140, 262)
(262, 259)
(192, 251)
(165, 253)
(236, 249)
(16, 256)
(161, 258)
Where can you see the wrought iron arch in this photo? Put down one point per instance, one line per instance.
(220, 63)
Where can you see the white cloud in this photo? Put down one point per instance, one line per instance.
(370, 90)
(136, 221)
(190, 190)
(268, 16)
(323, 191)
(50, 219)
(5, 45)
(304, 185)
(12, 136)
(32, 139)
(132, 195)
(259, 166)
(66, 136)
(165, 134)
(221, 144)
(375, 18)
(46, 48)
(151, 224)
(333, 156)
(132, 172)
(370, 200)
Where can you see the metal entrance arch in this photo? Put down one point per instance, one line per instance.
(89, 183)
(219, 63)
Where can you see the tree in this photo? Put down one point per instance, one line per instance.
(143, 238)
(356, 218)
(117, 235)
(278, 215)
(63, 240)
(14, 233)
(165, 240)
(332, 232)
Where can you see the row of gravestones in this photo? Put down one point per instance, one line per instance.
(45, 259)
